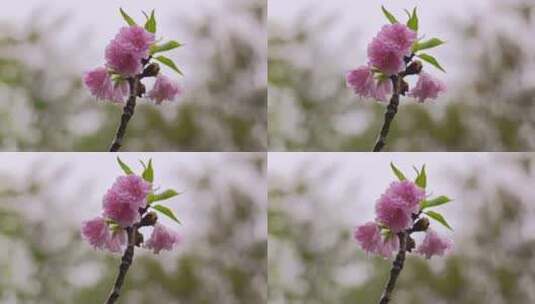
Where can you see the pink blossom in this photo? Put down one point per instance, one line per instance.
(387, 246)
(164, 89)
(117, 241)
(383, 88)
(136, 39)
(123, 59)
(409, 193)
(393, 212)
(399, 35)
(427, 87)
(162, 238)
(433, 244)
(385, 56)
(99, 83)
(133, 189)
(96, 232)
(119, 92)
(368, 236)
(388, 49)
(361, 81)
(120, 209)
(125, 52)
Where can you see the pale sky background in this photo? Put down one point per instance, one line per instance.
(364, 18)
(89, 175)
(367, 175)
(92, 24)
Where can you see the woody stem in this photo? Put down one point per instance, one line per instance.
(397, 266)
(390, 113)
(128, 112)
(126, 261)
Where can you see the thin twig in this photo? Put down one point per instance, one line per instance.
(397, 266)
(128, 112)
(390, 113)
(126, 261)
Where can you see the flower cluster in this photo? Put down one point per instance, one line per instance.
(399, 211)
(125, 208)
(128, 58)
(391, 56)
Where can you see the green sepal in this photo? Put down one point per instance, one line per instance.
(389, 15)
(150, 25)
(397, 172)
(170, 63)
(170, 45)
(432, 60)
(428, 44)
(124, 166)
(439, 218)
(421, 179)
(148, 173)
(413, 22)
(127, 18)
(441, 200)
(167, 212)
(167, 194)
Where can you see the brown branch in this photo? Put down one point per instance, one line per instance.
(126, 261)
(128, 112)
(397, 266)
(390, 113)
(400, 87)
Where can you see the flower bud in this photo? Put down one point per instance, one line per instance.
(151, 70)
(421, 225)
(414, 68)
(139, 238)
(141, 90)
(149, 219)
(411, 244)
(404, 87)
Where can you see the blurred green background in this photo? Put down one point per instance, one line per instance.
(222, 258)
(44, 52)
(316, 200)
(488, 56)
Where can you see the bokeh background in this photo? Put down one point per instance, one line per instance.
(45, 46)
(488, 57)
(222, 259)
(315, 201)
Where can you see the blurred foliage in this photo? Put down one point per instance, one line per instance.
(44, 260)
(313, 259)
(492, 110)
(44, 107)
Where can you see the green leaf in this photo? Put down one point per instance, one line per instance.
(441, 200)
(421, 179)
(170, 45)
(150, 25)
(389, 15)
(166, 211)
(168, 62)
(148, 173)
(428, 44)
(439, 218)
(127, 18)
(397, 172)
(167, 194)
(430, 59)
(413, 21)
(124, 166)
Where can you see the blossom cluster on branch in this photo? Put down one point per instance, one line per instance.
(125, 206)
(392, 53)
(128, 58)
(403, 209)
